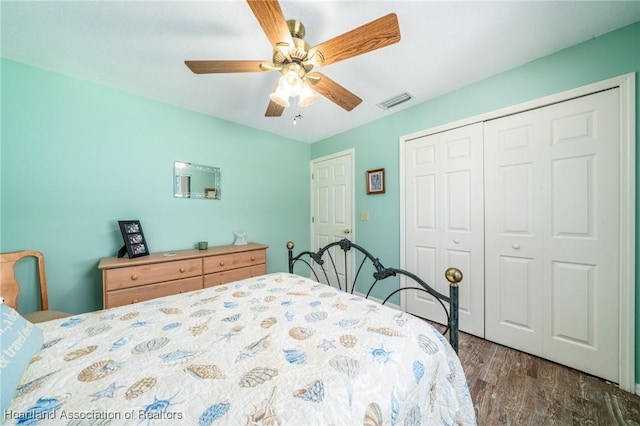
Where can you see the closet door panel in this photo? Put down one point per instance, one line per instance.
(581, 247)
(444, 218)
(513, 232)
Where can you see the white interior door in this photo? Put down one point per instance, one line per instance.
(552, 232)
(581, 238)
(513, 231)
(332, 208)
(444, 221)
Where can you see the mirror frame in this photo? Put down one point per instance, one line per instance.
(207, 186)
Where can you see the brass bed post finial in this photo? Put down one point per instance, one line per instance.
(454, 276)
(290, 247)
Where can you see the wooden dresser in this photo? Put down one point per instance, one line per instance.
(126, 281)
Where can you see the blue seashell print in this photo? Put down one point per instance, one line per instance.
(108, 317)
(395, 409)
(257, 286)
(316, 316)
(232, 318)
(119, 343)
(150, 345)
(39, 410)
(345, 323)
(158, 407)
(295, 356)
(138, 324)
(312, 393)
(285, 303)
(413, 417)
(47, 345)
(380, 355)
(230, 305)
(213, 413)
(71, 322)
(202, 313)
(171, 326)
(289, 315)
(315, 303)
(32, 385)
(418, 370)
(176, 355)
(97, 329)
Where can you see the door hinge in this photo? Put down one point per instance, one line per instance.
(313, 219)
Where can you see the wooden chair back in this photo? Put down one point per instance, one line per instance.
(9, 286)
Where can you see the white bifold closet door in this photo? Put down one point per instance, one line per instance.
(552, 232)
(443, 223)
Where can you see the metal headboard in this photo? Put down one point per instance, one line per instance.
(329, 271)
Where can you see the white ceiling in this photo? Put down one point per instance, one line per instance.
(140, 47)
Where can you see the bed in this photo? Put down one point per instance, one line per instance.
(275, 349)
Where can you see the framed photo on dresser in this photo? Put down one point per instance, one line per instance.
(134, 242)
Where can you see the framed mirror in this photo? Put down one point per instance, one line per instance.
(196, 181)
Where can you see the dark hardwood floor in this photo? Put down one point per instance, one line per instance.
(513, 388)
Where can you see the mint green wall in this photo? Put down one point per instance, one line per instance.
(76, 157)
(376, 144)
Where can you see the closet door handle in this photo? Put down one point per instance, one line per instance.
(456, 241)
(515, 246)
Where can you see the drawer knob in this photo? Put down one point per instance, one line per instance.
(134, 277)
(221, 263)
(253, 258)
(182, 269)
(134, 301)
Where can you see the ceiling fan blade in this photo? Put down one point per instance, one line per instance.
(333, 91)
(274, 110)
(271, 19)
(212, 67)
(376, 34)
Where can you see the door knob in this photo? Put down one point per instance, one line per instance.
(347, 231)
(456, 241)
(516, 246)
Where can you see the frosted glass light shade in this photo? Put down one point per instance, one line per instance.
(291, 83)
(280, 97)
(307, 96)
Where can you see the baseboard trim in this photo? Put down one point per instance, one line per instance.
(637, 388)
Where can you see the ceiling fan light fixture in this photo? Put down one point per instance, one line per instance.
(307, 96)
(291, 83)
(280, 97)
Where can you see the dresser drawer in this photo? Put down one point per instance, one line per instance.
(151, 291)
(133, 276)
(234, 275)
(229, 261)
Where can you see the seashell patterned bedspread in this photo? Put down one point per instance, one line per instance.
(276, 349)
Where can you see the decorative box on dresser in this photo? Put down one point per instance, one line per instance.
(126, 281)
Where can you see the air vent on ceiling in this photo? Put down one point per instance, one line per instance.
(395, 101)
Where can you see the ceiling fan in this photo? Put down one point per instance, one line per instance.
(295, 59)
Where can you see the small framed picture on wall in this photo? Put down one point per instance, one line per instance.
(375, 181)
(134, 242)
